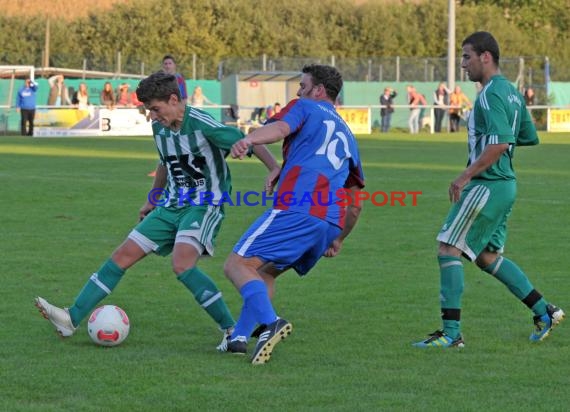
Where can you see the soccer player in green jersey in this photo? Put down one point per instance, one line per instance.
(192, 147)
(483, 196)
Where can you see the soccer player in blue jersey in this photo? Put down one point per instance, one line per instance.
(192, 148)
(307, 221)
(483, 196)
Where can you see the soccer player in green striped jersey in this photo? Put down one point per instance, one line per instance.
(482, 197)
(192, 147)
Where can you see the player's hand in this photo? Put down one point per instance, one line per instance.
(240, 148)
(456, 188)
(272, 179)
(145, 210)
(334, 249)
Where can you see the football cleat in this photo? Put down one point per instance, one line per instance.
(439, 339)
(255, 334)
(272, 334)
(223, 346)
(58, 317)
(545, 323)
(238, 345)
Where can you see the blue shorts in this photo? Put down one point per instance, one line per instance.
(287, 239)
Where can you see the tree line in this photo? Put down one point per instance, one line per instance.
(214, 30)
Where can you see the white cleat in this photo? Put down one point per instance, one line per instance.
(223, 346)
(58, 317)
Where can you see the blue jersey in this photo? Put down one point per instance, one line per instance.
(26, 97)
(320, 158)
(181, 85)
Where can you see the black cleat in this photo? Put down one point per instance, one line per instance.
(238, 346)
(268, 338)
(255, 334)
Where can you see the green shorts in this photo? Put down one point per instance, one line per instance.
(479, 220)
(163, 227)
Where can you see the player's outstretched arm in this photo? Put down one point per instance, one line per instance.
(269, 133)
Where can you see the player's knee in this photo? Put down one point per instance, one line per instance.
(127, 254)
(179, 267)
(229, 266)
(445, 249)
(486, 259)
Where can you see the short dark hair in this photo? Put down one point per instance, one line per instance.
(159, 86)
(328, 76)
(169, 56)
(483, 41)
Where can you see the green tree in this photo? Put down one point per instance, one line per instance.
(290, 32)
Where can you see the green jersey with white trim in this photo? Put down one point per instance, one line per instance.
(499, 116)
(194, 157)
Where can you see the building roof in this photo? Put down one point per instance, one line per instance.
(264, 76)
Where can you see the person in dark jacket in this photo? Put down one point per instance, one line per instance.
(387, 100)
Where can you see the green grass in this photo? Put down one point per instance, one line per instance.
(67, 203)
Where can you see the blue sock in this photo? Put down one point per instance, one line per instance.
(256, 300)
(245, 324)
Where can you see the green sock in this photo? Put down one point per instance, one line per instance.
(451, 281)
(99, 285)
(208, 296)
(518, 283)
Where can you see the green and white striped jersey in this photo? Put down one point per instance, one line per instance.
(499, 116)
(194, 158)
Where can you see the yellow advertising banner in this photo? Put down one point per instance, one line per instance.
(60, 122)
(357, 118)
(559, 120)
(60, 117)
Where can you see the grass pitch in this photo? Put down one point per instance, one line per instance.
(67, 203)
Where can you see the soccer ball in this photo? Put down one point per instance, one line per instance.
(108, 325)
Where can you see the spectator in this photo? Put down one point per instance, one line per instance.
(276, 108)
(232, 115)
(58, 94)
(26, 105)
(135, 100)
(460, 104)
(530, 100)
(139, 105)
(273, 110)
(423, 119)
(529, 97)
(198, 98)
(415, 100)
(387, 100)
(80, 98)
(108, 96)
(123, 96)
(440, 99)
(169, 66)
